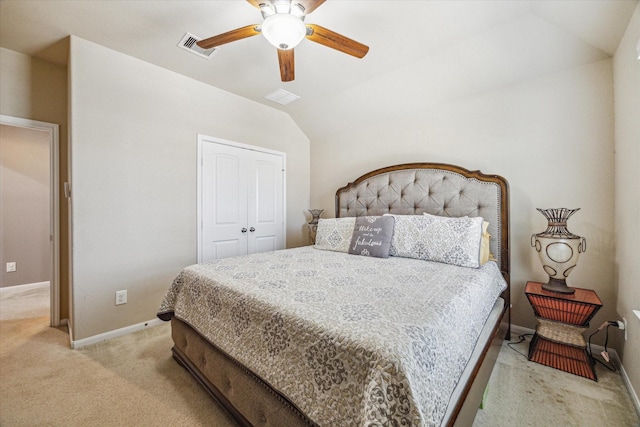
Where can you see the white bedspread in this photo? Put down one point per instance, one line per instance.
(350, 340)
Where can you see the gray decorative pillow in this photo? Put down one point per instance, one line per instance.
(372, 236)
(454, 241)
(334, 234)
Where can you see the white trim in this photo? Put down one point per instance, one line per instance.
(114, 334)
(70, 330)
(25, 287)
(54, 221)
(199, 165)
(215, 140)
(632, 392)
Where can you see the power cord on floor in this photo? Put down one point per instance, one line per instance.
(605, 353)
(521, 338)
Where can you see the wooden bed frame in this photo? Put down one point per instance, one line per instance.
(436, 188)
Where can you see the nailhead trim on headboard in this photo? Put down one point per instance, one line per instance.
(437, 189)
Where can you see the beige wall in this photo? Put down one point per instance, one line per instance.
(551, 137)
(627, 179)
(24, 195)
(37, 90)
(134, 133)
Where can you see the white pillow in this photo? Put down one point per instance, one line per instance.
(485, 250)
(334, 234)
(454, 241)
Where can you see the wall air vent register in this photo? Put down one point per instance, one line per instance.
(188, 42)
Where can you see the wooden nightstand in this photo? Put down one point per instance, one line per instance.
(562, 320)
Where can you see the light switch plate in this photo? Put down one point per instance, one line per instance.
(121, 297)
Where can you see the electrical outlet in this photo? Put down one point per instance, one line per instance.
(626, 328)
(11, 267)
(121, 297)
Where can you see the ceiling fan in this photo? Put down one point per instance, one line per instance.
(284, 28)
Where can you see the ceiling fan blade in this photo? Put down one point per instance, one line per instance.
(287, 70)
(309, 5)
(336, 41)
(230, 36)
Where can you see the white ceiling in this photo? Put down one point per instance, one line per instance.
(422, 53)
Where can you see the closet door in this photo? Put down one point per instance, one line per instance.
(265, 202)
(224, 202)
(240, 201)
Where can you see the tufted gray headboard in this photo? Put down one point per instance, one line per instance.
(435, 188)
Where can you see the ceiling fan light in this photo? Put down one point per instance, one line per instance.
(284, 31)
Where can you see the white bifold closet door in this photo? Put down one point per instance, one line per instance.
(241, 201)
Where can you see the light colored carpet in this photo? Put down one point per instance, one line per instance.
(24, 302)
(128, 381)
(524, 393)
(134, 381)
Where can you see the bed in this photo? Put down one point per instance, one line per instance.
(319, 336)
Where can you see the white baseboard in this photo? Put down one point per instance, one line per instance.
(632, 392)
(26, 287)
(113, 334)
(613, 354)
(70, 329)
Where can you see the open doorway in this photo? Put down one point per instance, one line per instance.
(29, 222)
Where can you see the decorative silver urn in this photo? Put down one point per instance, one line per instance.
(558, 249)
(315, 215)
(313, 224)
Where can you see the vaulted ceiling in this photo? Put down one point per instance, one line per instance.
(422, 53)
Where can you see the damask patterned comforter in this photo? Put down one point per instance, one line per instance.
(350, 340)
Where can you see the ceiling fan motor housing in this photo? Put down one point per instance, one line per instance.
(269, 8)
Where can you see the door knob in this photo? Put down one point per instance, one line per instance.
(252, 229)
(244, 229)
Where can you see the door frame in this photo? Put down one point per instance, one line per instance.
(204, 139)
(54, 199)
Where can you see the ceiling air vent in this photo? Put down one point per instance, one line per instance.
(188, 42)
(282, 97)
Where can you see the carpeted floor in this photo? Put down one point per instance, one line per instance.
(128, 381)
(133, 381)
(24, 302)
(524, 393)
